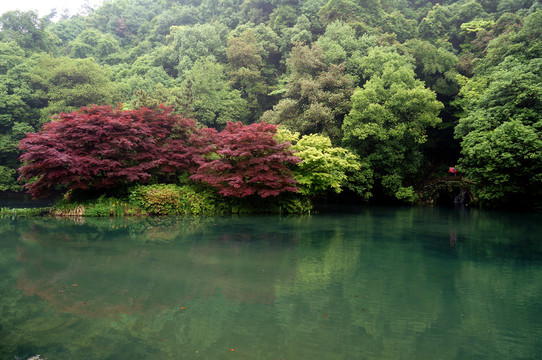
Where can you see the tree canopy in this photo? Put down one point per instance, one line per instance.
(411, 87)
(106, 148)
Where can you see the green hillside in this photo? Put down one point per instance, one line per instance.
(412, 87)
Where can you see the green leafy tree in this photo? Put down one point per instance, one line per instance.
(256, 11)
(435, 66)
(283, 17)
(501, 133)
(323, 167)
(246, 71)
(15, 94)
(400, 25)
(145, 74)
(66, 30)
(387, 125)
(268, 43)
(187, 15)
(380, 59)
(92, 43)
(435, 24)
(300, 33)
(208, 96)
(27, 30)
(341, 45)
(316, 96)
(128, 21)
(343, 10)
(523, 42)
(513, 6)
(18, 112)
(64, 84)
(190, 43)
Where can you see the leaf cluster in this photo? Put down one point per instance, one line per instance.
(249, 161)
(103, 148)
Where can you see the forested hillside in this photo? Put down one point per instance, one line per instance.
(411, 87)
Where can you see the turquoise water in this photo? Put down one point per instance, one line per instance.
(367, 283)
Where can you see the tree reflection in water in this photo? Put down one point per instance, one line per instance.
(384, 283)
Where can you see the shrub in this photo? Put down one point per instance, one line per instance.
(249, 161)
(104, 148)
(157, 199)
(296, 205)
(161, 199)
(98, 210)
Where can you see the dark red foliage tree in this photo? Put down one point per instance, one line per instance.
(248, 161)
(102, 148)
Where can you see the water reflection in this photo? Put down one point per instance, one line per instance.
(377, 283)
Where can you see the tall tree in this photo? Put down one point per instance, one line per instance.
(316, 96)
(104, 148)
(387, 125)
(500, 132)
(64, 84)
(246, 71)
(249, 161)
(18, 110)
(208, 96)
(27, 29)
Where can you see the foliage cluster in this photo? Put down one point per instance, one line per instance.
(104, 150)
(102, 206)
(249, 161)
(409, 86)
(102, 147)
(322, 167)
(171, 199)
(11, 212)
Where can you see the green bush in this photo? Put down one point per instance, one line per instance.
(98, 210)
(100, 207)
(158, 199)
(7, 212)
(198, 199)
(297, 205)
(161, 199)
(285, 204)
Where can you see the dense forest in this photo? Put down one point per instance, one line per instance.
(399, 90)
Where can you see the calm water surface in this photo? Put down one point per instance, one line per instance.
(372, 283)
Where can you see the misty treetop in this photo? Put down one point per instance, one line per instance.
(410, 87)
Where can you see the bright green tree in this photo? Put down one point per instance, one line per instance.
(27, 29)
(208, 96)
(92, 43)
(190, 43)
(323, 167)
(341, 45)
(501, 131)
(64, 84)
(316, 96)
(387, 125)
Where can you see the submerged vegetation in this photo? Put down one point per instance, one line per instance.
(174, 107)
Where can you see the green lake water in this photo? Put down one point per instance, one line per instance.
(368, 283)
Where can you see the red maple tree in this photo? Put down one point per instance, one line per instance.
(249, 161)
(102, 147)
